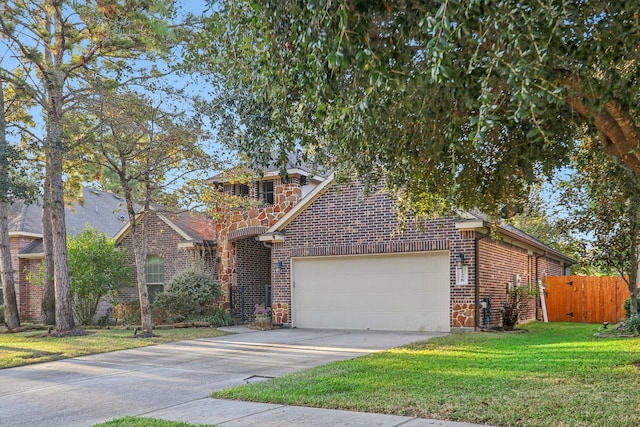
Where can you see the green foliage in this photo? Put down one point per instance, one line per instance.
(144, 422)
(96, 269)
(457, 104)
(601, 202)
(190, 293)
(511, 308)
(554, 374)
(632, 324)
(627, 307)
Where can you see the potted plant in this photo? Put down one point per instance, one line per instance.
(262, 317)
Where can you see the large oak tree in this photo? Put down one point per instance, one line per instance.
(459, 103)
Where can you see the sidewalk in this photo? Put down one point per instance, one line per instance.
(232, 413)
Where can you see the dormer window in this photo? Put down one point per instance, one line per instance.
(241, 190)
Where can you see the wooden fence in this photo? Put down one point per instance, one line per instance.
(585, 299)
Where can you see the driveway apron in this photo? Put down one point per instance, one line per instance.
(138, 382)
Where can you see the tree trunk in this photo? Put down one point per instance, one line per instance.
(139, 240)
(11, 316)
(48, 307)
(64, 311)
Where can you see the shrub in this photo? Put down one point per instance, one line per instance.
(631, 325)
(190, 293)
(627, 307)
(511, 308)
(96, 269)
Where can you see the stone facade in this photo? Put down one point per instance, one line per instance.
(243, 263)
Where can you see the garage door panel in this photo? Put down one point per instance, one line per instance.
(397, 292)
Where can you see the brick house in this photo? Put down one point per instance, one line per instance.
(175, 242)
(101, 210)
(323, 257)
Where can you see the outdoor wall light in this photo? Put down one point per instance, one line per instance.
(279, 267)
(460, 260)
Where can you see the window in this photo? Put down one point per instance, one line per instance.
(241, 190)
(267, 194)
(154, 270)
(154, 273)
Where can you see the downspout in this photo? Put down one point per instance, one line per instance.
(477, 278)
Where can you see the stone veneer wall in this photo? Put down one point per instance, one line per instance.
(253, 221)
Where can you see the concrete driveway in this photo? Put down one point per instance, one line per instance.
(151, 381)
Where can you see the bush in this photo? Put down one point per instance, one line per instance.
(190, 293)
(1, 315)
(631, 325)
(627, 307)
(511, 308)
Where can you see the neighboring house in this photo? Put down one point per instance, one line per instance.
(331, 259)
(101, 210)
(176, 241)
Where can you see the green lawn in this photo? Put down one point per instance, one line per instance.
(144, 422)
(555, 374)
(31, 347)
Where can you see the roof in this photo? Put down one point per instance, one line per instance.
(104, 211)
(294, 165)
(195, 229)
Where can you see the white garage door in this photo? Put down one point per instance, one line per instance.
(407, 292)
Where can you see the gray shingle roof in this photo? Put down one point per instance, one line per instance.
(102, 210)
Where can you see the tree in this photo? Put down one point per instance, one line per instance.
(13, 185)
(59, 46)
(458, 104)
(149, 150)
(602, 201)
(96, 269)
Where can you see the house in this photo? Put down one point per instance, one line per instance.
(324, 257)
(175, 242)
(101, 210)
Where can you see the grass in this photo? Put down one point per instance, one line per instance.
(557, 374)
(143, 422)
(25, 348)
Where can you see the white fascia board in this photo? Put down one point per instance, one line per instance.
(271, 237)
(25, 234)
(477, 225)
(31, 256)
(124, 230)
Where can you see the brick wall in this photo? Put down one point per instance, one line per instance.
(163, 242)
(341, 222)
(253, 272)
(26, 276)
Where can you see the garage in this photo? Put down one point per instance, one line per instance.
(400, 292)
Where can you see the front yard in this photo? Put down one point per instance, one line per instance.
(35, 346)
(554, 374)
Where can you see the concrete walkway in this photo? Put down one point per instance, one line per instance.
(172, 381)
